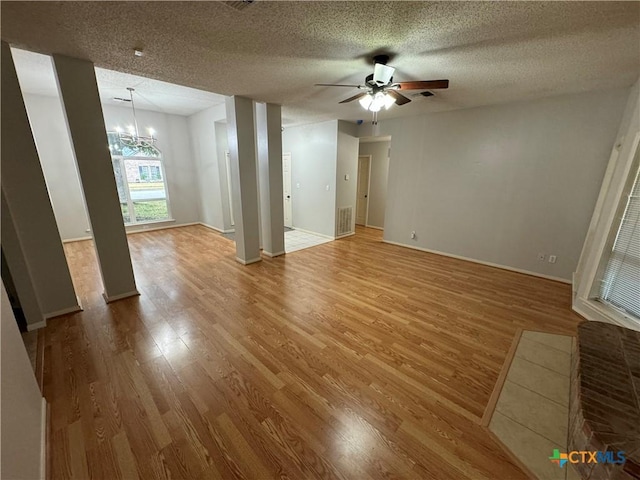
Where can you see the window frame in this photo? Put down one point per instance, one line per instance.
(132, 217)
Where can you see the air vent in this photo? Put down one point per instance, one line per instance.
(239, 5)
(344, 220)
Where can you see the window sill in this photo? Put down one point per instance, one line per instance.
(596, 311)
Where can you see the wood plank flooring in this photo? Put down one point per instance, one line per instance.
(351, 360)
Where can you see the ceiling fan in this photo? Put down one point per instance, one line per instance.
(381, 91)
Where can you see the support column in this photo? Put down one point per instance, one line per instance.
(269, 134)
(242, 150)
(83, 111)
(30, 236)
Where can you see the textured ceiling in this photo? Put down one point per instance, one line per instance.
(492, 52)
(36, 75)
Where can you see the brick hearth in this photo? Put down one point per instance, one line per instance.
(604, 409)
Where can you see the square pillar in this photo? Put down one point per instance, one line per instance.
(244, 180)
(30, 237)
(269, 135)
(83, 111)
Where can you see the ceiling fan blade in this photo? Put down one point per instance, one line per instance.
(355, 97)
(423, 85)
(336, 85)
(400, 99)
(382, 74)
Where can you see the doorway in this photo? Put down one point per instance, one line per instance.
(362, 199)
(286, 189)
(227, 158)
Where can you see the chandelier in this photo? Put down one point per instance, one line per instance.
(130, 139)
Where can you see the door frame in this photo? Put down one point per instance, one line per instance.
(287, 154)
(366, 210)
(227, 159)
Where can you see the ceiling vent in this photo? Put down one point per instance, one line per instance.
(240, 4)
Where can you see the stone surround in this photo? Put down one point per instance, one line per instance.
(604, 408)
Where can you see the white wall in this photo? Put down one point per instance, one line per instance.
(379, 152)
(54, 148)
(347, 164)
(23, 408)
(500, 184)
(50, 132)
(205, 139)
(313, 151)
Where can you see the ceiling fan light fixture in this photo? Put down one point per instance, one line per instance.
(374, 102)
(365, 101)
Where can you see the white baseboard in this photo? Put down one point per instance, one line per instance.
(77, 239)
(64, 311)
(248, 262)
(481, 262)
(373, 226)
(269, 254)
(37, 325)
(120, 296)
(314, 233)
(345, 236)
(43, 440)
(231, 230)
(143, 229)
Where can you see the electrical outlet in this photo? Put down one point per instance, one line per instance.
(541, 257)
(552, 259)
(413, 235)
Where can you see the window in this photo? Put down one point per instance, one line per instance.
(140, 181)
(621, 280)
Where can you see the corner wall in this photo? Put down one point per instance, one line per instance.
(206, 136)
(347, 164)
(501, 184)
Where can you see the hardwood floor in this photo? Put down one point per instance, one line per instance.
(354, 360)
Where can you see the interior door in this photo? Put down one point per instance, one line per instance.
(362, 200)
(286, 189)
(227, 158)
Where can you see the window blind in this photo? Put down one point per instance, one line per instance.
(621, 281)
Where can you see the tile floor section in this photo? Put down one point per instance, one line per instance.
(531, 415)
(295, 240)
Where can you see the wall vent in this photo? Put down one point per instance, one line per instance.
(240, 4)
(344, 220)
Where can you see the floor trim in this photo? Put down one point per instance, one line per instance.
(40, 360)
(345, 235)
(481, 262)
(248, 262)
(497, 389)
(272, 255)
(44, 439)
(314, 233)
(64, 311)
(35, 326)
(510, 454)
(114, 298)
(373, 226)
(216, 229)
